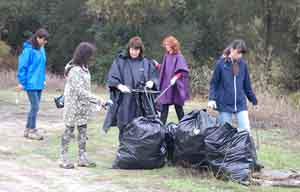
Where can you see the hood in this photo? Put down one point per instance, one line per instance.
(123, 54)
(27, 44)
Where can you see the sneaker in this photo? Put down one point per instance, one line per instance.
(34, 135)
(66, 165)
(84, 162)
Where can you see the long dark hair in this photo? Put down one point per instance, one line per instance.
(238, 44)
(83, 52)
(81, 56)
(41, 33)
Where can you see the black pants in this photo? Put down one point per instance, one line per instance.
(165, 111)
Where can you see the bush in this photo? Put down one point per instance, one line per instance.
(4, 49)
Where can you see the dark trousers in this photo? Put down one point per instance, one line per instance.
(34, 97)
(165, 112)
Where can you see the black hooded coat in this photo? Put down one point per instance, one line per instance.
(134, 73)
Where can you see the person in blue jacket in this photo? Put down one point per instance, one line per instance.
(230, 86)
(31, 77)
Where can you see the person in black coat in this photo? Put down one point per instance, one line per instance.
(130, 72)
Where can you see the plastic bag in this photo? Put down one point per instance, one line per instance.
(189, 146)
(59, 101)
(142, 145)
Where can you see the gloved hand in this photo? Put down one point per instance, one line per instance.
(212, 104)
(149, 84)
(173, 80)
(155, 62)
(157, 65)
(123, 88)
(107, 104)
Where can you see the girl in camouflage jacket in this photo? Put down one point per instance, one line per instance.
(78, 101)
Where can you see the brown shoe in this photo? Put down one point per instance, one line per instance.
(34, 135)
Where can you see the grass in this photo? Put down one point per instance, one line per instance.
(276, 151)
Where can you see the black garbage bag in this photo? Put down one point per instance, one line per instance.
(145, 100)
(142, 145)
(189, 146)
(229, 152)
(199, 140)
(170, 138)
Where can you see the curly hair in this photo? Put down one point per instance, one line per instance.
(173, 42)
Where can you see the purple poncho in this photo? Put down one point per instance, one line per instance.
(172, 65)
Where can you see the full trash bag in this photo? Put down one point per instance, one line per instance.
(189, 146)
(170, 138)
(199, 139)
(142, 145)
(229, 152)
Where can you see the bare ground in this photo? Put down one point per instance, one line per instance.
(22, 169)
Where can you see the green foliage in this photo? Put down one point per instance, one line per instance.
(67, 22)
(4, 49)
(271, 29)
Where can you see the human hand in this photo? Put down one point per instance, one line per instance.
(212, 104)
(155, 62)
(149, 84)
(123, 88)
(107, 104)
(100, 101)
(173, 80)
(157, 65)
(19, 87)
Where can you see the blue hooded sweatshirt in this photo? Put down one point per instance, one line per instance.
(32, 67)
(230, 91)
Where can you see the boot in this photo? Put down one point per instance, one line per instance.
(33, 134)
(65, 140)
(83, 160)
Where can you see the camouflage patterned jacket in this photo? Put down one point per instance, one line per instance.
(78, 97)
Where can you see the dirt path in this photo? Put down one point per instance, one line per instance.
(22, 169)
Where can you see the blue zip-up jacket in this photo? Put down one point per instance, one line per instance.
(230, 91)
(32, 67)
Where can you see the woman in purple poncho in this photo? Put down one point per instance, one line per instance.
(173, 71)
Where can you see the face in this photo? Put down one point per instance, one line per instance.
(134, 53)
(168, 47)
(236, 54)
(41, 41)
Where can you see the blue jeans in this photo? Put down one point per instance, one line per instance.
(242, 119)
(34, 97)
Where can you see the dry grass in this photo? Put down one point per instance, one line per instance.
(275, 112)
(55, 82)
(8, 79)
(271, 112)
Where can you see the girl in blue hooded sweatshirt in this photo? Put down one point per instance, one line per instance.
(230, 86)
(31, 77)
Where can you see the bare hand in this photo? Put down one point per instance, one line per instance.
(19, 88)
